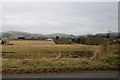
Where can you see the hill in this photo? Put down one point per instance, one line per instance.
(111, 34)
(15, 34)
(58, 34)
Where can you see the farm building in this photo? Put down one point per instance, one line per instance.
(49, 39)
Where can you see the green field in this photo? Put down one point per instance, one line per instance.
(30, 54)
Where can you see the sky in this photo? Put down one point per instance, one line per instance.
(77, 18)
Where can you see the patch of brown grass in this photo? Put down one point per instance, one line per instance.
(31, 42)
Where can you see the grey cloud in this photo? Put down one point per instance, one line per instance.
(62, 17)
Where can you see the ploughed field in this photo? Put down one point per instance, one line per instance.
(34, 56)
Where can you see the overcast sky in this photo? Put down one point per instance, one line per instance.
(76, 18)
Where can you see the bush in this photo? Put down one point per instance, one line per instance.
(63, 41)
(91, 40)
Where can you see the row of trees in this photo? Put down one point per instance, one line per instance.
(89, 40)
(62, 40)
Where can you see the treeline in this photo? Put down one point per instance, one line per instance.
(89, 40)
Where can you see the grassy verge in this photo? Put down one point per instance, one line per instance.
(63, 65)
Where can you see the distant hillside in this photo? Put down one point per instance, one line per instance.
(58, 34)
(81, 36)
(101, 34)
(15, 34)
(112, 34)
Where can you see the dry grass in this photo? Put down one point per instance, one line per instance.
(39, 54)
(38, 51)
(31, 42)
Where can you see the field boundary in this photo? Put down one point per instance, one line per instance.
(58, 69)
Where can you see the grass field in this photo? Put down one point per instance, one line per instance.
(31, 42)
(30, 54)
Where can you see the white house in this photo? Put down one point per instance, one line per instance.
(49, 39)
